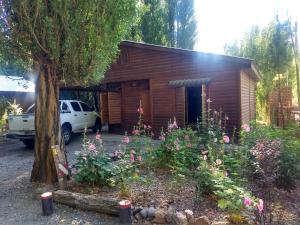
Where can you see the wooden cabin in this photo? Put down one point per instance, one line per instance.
(171, 82)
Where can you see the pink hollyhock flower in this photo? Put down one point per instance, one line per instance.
(175, 126)
(131, 157)
(98, 137)
(140, 110)
(260, 205)
(226, 118)
(149, 127)
(139, 158)
(246, 128)
(135, 132)
(226, 139)
(247, 201)
(92, 147)
(162, 138)
(126, 139)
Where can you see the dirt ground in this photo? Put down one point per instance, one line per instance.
(19, 199)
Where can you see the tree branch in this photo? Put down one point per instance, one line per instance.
(33, 33)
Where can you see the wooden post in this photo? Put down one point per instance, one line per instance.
(60, 165)
(203, 104)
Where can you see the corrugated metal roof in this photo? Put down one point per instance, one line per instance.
(188, 82)
(15, 84)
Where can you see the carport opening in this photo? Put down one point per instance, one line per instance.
(193, 104)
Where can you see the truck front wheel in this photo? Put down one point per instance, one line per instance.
(98, 126)
(29, 143)
(66, 134)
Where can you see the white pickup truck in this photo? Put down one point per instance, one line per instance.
(75, 116)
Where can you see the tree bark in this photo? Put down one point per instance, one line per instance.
(46, 125)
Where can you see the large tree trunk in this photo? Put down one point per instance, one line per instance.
(46, 125)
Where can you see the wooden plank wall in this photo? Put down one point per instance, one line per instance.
(252, 99)
(180, 105)
(114, 107)
(104, 107)
(132, 93)
(247, 98)
(223, 92)
(167, 102)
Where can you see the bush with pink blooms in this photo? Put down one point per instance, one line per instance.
(94, 165)
(178, 151)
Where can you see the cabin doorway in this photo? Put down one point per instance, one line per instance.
(193, 101)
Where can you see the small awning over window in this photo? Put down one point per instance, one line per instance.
(189, 82)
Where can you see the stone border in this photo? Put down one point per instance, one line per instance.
(148, 215)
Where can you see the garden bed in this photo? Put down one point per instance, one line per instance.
(163, 192)
(198, 172)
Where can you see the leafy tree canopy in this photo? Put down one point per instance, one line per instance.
(270, 47)
(78, 37)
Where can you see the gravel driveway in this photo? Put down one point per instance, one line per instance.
(19, 201)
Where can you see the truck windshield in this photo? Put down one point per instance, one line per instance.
(31, 109)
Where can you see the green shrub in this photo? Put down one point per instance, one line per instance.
(179, 150)
(93, 165)
(288, 161)
(95, 169)
(212, 180)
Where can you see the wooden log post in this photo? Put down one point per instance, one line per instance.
(60, 165)
(87, 202)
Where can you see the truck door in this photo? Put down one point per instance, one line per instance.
(78, 118)
(89, 115)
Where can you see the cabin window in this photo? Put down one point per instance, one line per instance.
(193, 101)
(123, 58)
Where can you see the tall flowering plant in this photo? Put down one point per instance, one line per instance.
(93, 165)
(178, 150)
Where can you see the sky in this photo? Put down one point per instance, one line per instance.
(224, 21)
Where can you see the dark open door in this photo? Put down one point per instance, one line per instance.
(193, 104)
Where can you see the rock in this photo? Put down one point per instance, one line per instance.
(138, 217)
(136, 210)
(179, 219)
(189, 215)
(160, 216)
(203, 220)
(87, 223)
(221, 223)
(170, 213)
(151, 212)
(144, 213)
(151, 203)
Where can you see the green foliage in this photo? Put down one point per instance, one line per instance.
(168, 22)
(153, 24)
(93, 165)
(95, 169)
(3, 106)
(179, 151)
(79, 38)
(271, 50)
(212, 180)
(288, 161)
(186, 24)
